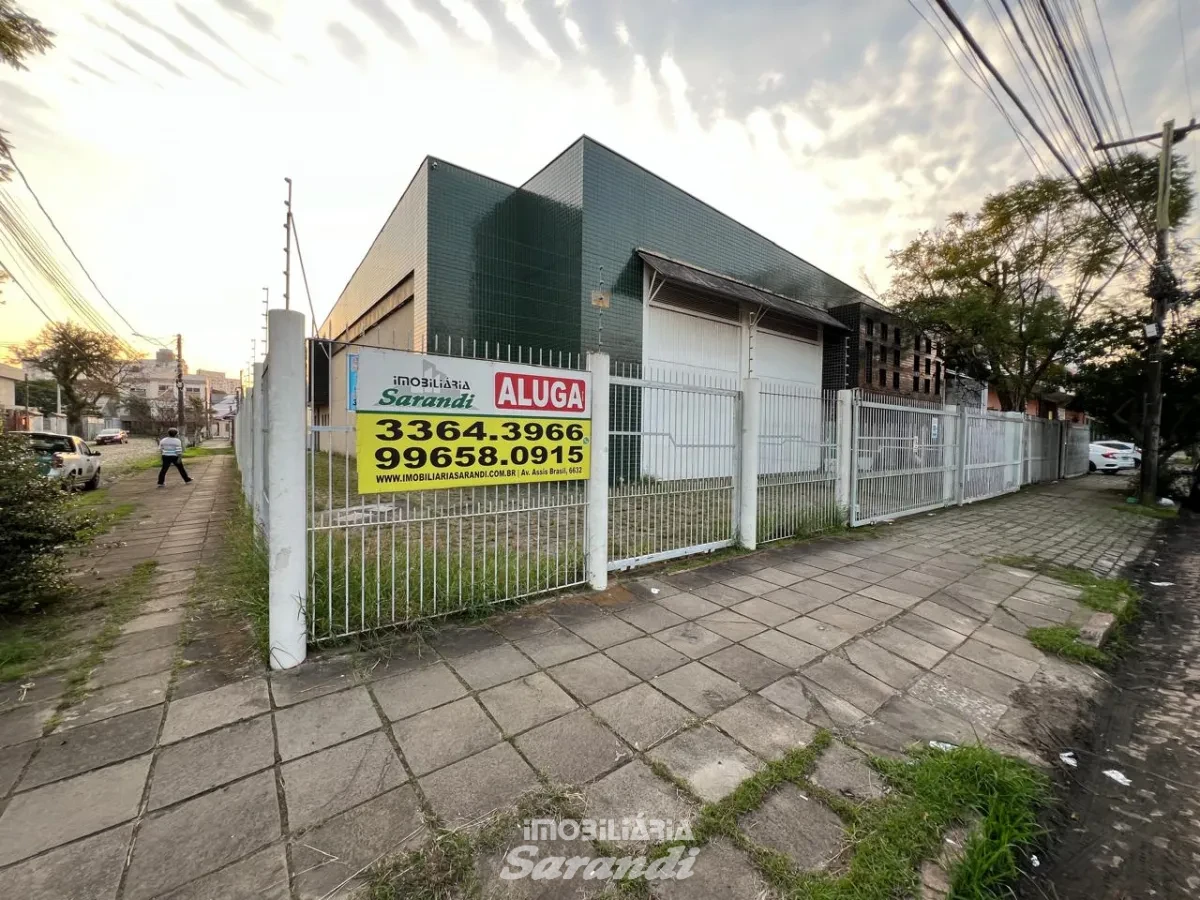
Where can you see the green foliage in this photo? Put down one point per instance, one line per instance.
(36, 523)
(1147, 512)
(1009, 287)
(240, 583)
(1063, 640)
(1103, 594)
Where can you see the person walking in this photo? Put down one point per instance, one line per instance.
(171, 448)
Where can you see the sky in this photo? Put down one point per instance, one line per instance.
(158, 134)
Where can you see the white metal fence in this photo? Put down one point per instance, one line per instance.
(682, 464)
(673, 462)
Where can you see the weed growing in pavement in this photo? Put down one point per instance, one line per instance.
(1063, 640)
(1103, 594)
(240, 581)
(1147, 512)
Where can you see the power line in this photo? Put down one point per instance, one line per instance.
(303, 273)
(66, 244)
(1024, 110)
(1113, 65)
(1187, 77)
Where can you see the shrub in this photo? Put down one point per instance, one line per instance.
(36, 523)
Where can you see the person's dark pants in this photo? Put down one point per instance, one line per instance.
(167, 462)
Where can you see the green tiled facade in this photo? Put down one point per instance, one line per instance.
(517, 266)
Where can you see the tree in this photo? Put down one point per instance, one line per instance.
(1008, 288)
(1111, 387)
(36, 522)
(86, 364)
(21, 36)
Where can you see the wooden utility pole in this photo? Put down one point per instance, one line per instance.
(1163, 292)
(179, 387)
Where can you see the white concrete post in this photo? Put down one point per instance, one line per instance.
(597, 487)
(845, 452)
(950, 436)
(960, 479)
(286, 483)
(246, 460)
(258, 447)
(1016, 437)
(748, 475)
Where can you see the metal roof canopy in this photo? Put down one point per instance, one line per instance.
(728, 288)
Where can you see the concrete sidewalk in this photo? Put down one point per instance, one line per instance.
(290, 786)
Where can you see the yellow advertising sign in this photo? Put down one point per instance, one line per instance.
(404, 451)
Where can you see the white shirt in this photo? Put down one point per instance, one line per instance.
(170, 446)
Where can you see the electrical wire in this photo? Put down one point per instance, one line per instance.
(303, 274)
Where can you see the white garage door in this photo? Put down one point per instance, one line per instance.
(688, 433)
(789, 370)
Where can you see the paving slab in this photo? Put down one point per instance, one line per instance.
(201, 763)
(903, 590)
(320, 723)
(454, 642)
(516, 627)
(688, 580)
(1024, 609)
(722, 594)
(817, 633)
(212, 709)
(689, 606)
(800, 569)
(327, 783)
(797, 601)
(519, 705)
(845, 619)
(553, 647)
(166, 636)
(203, 835)
(813, 703)
(574, 749)
(492, 666)
(699, 688)
(125, 668)
(88, 747)
(979, 678)
(89, 869)
(117, 699)
(850, 683)
(592, 678)
(859, 573)
(12, 763)
(642, 716)
(764, 728)
(783, 648)
(34, 821)
(749, 669)
(1017, 645)
(1002, 661)
(440, 736)
(646, 657)
(879, 663)
(799, 826)
(981, 711)
(916, 651)
(711, 764)
(820, 590)
(842, 582)
(920, 722)
(865, 606)
(844, 771)
(259, 876)
(755, 587)
(153, 620)
(409, 693)
(331, 858)
(928, 609)
(605, 630)
(649, 617)
(929, 631)
(314, 679)
(731, 625)
(764, 611)
(476, 786)
(634, 791)
(692, 640)
(650, 588)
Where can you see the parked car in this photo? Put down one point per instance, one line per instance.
(1109, 460)
(1133, 450)
(65, 459)
(112, 436)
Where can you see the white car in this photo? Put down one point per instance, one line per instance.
(65, 459)
(1106, 459)
(1133, 450)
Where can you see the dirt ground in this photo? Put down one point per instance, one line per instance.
(1141, 839)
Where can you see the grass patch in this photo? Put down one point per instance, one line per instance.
(28, 644)
(1063, 640)
(121, 602)
(1147, 512)
(1104, 594)
(240, 583)
(154, 461)
(104, 521)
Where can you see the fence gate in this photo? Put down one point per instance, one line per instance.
(673, 464)
(901, 459)
(381, 559)
(1076, 443)
(993, 450)
(797, 461)
(1043, 446)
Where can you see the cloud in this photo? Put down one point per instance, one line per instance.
(250, 14)
(389, 23)
(469, 20)
(518, 16)
(179, 44)
(347, 42)
(622, 33)
(140, 48)
(93, 72)
(575, 33)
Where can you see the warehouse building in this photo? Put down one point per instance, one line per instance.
(592, 252)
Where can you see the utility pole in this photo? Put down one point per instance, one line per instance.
(179, 386)
(287, 249)
(266, 309)
(1163, 292)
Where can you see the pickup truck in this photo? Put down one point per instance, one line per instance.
(66, 459)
